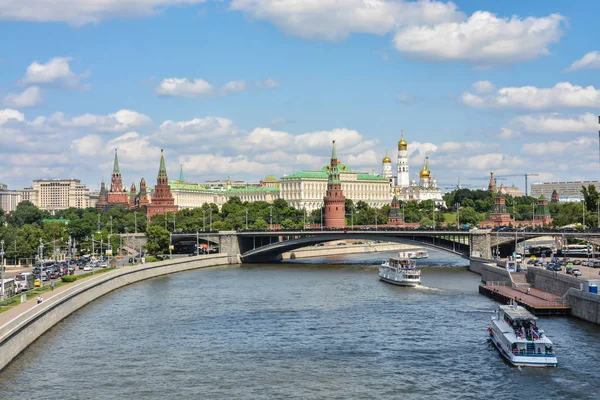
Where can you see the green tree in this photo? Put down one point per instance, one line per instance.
(28, 241)
(590, 197)
(158, 239)
(469, 216)
(26, 213)
(260, 224)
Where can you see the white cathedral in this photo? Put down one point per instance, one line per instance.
(402, 187)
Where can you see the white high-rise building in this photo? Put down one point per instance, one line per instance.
(57, 194)
(9, 198)
(403, 177)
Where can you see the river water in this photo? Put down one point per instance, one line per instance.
(314, 329)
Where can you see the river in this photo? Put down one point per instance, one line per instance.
(310, 329)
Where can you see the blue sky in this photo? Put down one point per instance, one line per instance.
(246, 88)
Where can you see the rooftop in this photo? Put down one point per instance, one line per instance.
(520, 313)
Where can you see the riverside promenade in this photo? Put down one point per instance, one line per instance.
(22, 325)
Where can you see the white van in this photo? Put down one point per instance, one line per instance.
(518, 258)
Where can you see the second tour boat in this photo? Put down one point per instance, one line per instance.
(400, 271)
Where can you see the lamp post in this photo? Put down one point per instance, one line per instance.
(210, 219)
(111, 225)
(270, 217)
(41, 263)
(174, 214)
(135, 218)
(583, 212)
(127, 240)
(352, 216)
(532, 214)
(197, 244)
(322, 218)
(375, 219)
(457, 215)
(403, 221)
(246, 219)
(2, 269)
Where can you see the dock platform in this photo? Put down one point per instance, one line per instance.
(536, 301)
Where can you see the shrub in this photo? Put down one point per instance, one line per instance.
(69, 278)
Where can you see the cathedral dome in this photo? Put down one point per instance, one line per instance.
(425, 171)
(402, 145)
(386, 159)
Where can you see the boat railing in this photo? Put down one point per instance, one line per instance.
(525, 354)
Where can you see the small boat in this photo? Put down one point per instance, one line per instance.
(516, 336)
(400, 271)
(417, 254)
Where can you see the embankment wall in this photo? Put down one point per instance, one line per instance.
(23, 330)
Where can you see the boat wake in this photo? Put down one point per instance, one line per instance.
(428, 289)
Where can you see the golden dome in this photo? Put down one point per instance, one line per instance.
(425, 173)
(386, 159)
(402, 145)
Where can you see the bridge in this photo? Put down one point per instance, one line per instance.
(262, 246)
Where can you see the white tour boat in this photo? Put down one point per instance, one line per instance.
(516, 336)
(417, 254)
(400, 271)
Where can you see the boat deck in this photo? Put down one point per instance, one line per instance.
(537, 301)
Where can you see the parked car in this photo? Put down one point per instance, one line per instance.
(87, 268)
(103, 265)
(53, 275)
(575, 272)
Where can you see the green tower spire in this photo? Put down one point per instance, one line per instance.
(116, 170)
(162, 170)
(181, 173)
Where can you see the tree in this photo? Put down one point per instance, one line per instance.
(590, 197)
(28, 241)
(26, 213)
(469, 216)
(158, 239)
(259, 224)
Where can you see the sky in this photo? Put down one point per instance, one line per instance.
(248, 88)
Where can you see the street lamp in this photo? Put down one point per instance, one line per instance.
(403, 221)
(322, 217)
(203, 220)
(583, 212)
(2, 269)
(98, 222)
(457, 215)
(271, 217)
(111, 224)
(135, 218)
(197, 244)
(41, 263)
(210, 219)
(246, 219)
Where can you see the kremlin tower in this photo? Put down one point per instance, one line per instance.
(132, 195)
(492, 184)
(162, 199)
(403, 179)
(102, 202)
(542, 213)
(334, 215)
(117, 195)
(386, 170)
(142, 199)
(395, 215)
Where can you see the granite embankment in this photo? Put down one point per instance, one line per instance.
(19, 331)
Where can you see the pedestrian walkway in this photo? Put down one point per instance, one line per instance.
(14, 312)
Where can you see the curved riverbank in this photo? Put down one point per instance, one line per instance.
(19, 332)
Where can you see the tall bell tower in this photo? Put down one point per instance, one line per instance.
(403, 177)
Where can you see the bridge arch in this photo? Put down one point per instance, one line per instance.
(274, 250)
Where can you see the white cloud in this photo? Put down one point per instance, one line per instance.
(81, 12)
(334, 20)
(268, 83)
(507, 133)
(483, 39)
(8, 114)
(563, 94)
(55, 71)
(222, 165)
(584, 147)
(406, 98)
(482, 87)
(30, 97)
(235, 87)
(590, 61)
(204, 131)
(184, 87)
(268, 139)
(556, 123)
(121, 121)
(89, 145)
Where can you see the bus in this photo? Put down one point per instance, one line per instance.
(24, 281)
(577, 249)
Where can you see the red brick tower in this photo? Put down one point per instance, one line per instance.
(542, 213)
(395, 215)
(132, 195)
(492, 184)
(500, 215)
(555, 197)
(142, 198)
(162, 199)
(335, 202)
(117, 195)
(102, 202)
